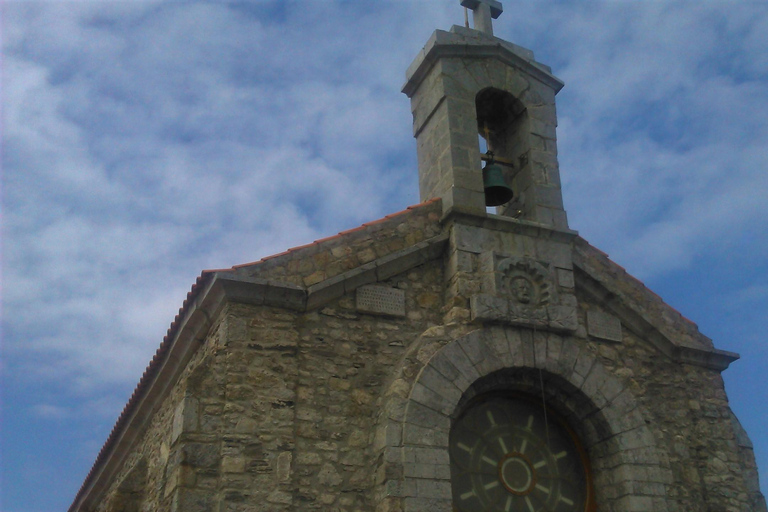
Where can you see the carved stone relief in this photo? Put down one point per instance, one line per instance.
(525, 281)
(522, 291)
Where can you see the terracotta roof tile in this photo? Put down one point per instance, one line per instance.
(338, 235)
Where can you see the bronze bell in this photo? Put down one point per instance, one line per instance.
(497, 192)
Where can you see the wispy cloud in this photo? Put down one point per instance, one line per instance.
(145, 141)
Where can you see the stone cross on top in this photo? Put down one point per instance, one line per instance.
(482, 12)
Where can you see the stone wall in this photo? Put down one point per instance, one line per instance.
(277, 411)
(325, 259)
(342, 410)
(658, 433)
(162, 461)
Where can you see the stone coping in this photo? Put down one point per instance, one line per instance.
(496, 222)
(463, 42)
(698, 351)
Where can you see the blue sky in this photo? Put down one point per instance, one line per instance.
(143, 142)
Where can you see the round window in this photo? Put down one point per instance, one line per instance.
(507, 455)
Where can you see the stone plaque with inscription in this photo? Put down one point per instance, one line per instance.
(380, 300)
(604, 326)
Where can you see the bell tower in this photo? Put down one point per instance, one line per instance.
(469, 88)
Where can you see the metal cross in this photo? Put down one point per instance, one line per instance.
(482, 12)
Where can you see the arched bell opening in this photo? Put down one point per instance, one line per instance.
(502, 124)
(514, 447)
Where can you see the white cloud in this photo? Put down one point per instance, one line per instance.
(661, 106)
(145, 141)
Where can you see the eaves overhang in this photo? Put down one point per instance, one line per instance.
(463, 42)
(699, 351)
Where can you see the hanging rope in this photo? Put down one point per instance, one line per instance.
(541, 384)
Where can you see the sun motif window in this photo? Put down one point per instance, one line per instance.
(508, 454)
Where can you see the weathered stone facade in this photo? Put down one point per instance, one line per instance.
(329, 377)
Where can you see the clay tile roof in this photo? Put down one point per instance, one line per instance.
(338, 235)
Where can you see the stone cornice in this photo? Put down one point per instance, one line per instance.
(510, 225)
(644, 325)
(462, 42)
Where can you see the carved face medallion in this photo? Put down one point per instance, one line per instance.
(525, 281)
(522, 289)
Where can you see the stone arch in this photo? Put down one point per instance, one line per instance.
(629, 469)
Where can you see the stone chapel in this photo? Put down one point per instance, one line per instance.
(442, 358)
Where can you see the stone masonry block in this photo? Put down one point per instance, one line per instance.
(624, 402)
(557, 254)
(394, 454)
(362, 275)
(465, 175)
(565, 278)
(611, 388)
(583, 365)
(461, 261)
(443, 365)
(474, 346)
(192, 500)
(545, 114)
(515, 83)
(490, 365)
(541, 214)
(455, 86)
(460, 360)
(594, 383)
(538, 94)
(544, 129)
(637, 438)
(425, 455)
(394, 488)
(560, 219)
(540, 349)
(390, 434)
(413, 504)
(431, 399)
(464, 200)
(459, 82)
(568, 354)
(286, 296)
(526, 338)
(515, 347)
(430, 109)
(429, 471)
(635, 504)
(486, 262)
(554, 348)
(549, 196)
(322, 293)
(498, 343)
(468, 239)
(415, 435)
(440, 489)
(488, 308)
(420, 415)
(185, 418)
(645, 456)
(435, 381)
